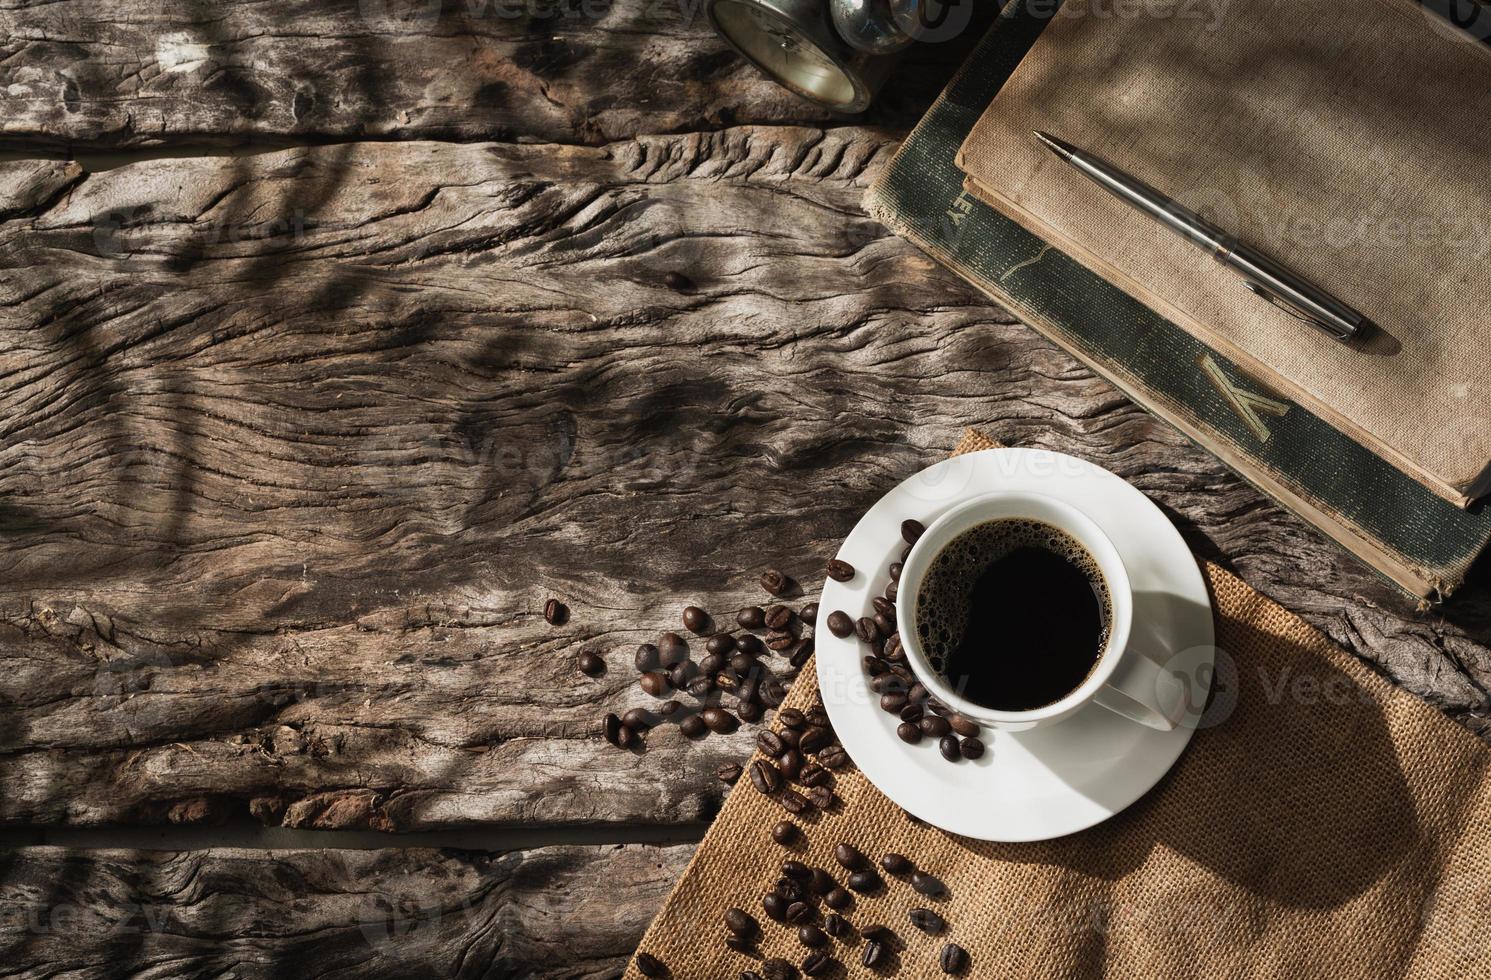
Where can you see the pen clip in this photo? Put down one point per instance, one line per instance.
(1258, 289)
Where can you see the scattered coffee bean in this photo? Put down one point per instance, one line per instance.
(971, 748)
(792, 718)
(740, 922)
(818, 717)
(820, 882)
(814, 775)
(693, 727)
(770, 743)
(683, 676)
(894, 702)
(775, 906)
(876, 954)
(796, 869)
(821, 796)
(751, 618)
(935, 726)
(721, 644)
(750, 712)
(739, 944)
(640, 719)
(893, 648)
(669, 708)
(814, 738)
(839, 623)
(751, 975)
(784, 833)
(778, 969)
(911, 530)
(909, 733)
(867, 629)
(651, 966)
(776, 583)
(677, 281)
(849, 856)
(817, 964)
(695, 620)
(838, 898)
(591, 664)
(646, 658)
(905, 553)
(896, 864)
(750, 643)
(611, 728)
(927, 921)
(791, 890)
(840, 570)
(800, 913)
(701, 686)
(963, 726)
(766, 777)
(954, 959)
(833, 757)
(778, 617)
(743, 664)
(917, 692)
(792, 801)
(780, 641)
(672, 649)
(887, 682)
(874, 666)
(885, 624)
(801, 655)
(809, 613)
(879, 934)
(948, 746)
(728, 772)
(773, 691)
(890, 591)
(836, 925)
(711, 664)
(809, 935)
(865, 881)
(791, 737)
(555, 612)
(884, 606)
(726, 681)
(927, 885)
(895, 571)
(911, 712)
(790, 763)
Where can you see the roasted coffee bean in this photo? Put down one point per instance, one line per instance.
(804, 651)
(814, 738)
(591, 664)
(640, 719)
(695, 620)
(750, 643)
(750, 712)
(646, 658)
(721, 644)
(751, 618)
(954, 959)
(555, 612)
(677, 281)
(711, 664)
(790, 763)
(839, 623)
(741, 922)
(651, 966)
(770, 743)
(792, 718)
(701, 686)
(879, 934)
(772, 691)
(836, 925)
(682, 673)
(904, 672)
(780, 641)
(778, 617)
(808, 613)
(917, 692)
(801, 913)
(838, 898)
(909, 733)
(818, 717)
(739, 944)
(884, 606)
(656, 683)
(885, 624)
(874, 666)
(928, 885)
(776, 583)
(784, 833)
(867, 630)
(821, 796)
(751, 975)
(911, 712)
(611, 728)
(905, 554)
(927, 921)
(810, 935)
(971, 748)
(895, 571)
(935, 726)
(726, 681)
(840, 570)
(875, 954)
(894, 702)
(775, 906)
(865, 881)
(729, 772)
(693, 727)
(911, 530)
(766, 777)
(817, 964)
(796, 869)
(778, 969)
(791, 737)
(890, 591)
(669, 708)
(672, 649)
(792, 801)
(896, 864)
(893, 648)
(963, 726)
(791, 890)
(820, 882)
(833, 757)
(849, 856)
(948, 746)
(814, 775)
(743, 664)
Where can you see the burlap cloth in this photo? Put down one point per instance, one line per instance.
(1330, 826)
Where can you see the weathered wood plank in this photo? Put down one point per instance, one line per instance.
(294, 447)
(146, 72)
(548, 913)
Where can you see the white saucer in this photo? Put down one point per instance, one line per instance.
(1057, 779)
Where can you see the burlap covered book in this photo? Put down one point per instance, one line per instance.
(1324, 824)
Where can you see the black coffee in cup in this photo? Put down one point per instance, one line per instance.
(1014, 614)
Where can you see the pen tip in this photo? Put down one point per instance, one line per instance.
(1055, 145)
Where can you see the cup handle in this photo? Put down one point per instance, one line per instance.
(1143, 691)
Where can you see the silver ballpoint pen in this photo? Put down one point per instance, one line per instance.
(1287, 290)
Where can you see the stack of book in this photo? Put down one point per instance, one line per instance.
(1347, 151)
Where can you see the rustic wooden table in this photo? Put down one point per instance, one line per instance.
(337, 337)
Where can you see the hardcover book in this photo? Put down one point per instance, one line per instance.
(1412, 535)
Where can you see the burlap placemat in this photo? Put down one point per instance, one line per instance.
(1328, 825)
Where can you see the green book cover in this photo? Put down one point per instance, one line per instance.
(1409, 534)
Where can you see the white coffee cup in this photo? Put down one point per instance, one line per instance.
(1128, 681)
